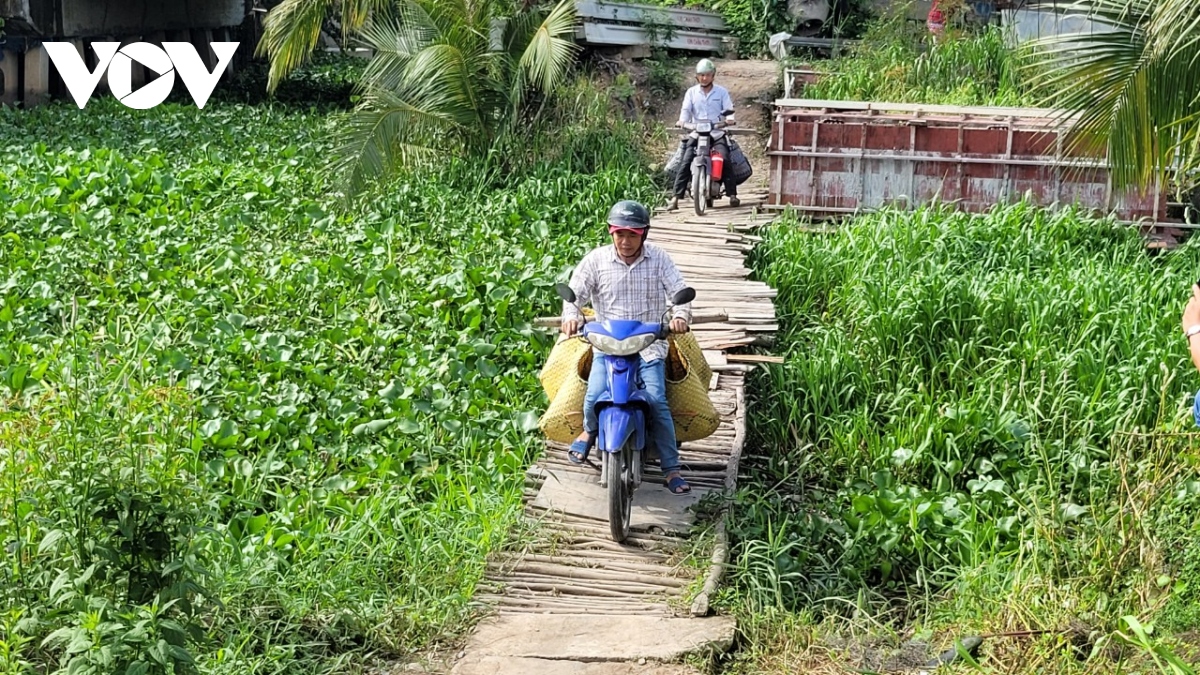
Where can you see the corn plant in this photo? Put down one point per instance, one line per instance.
(978, 415)
(893, 63)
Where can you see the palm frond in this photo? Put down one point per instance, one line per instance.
(388, 132)
(1132, 87)
(396, 41)
(455, 72)
(356, 13)
(1177, 22)
(438, 85)
(292, 29)
(551, 48)
(290, 32)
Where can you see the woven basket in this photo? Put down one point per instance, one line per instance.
(565, 379)
(570, 357)
(684, 353)
(563, 420)
(694, 415)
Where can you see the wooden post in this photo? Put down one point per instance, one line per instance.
(37, 75)
(202, 39)
(226, 35)
(93, 62)
(57, 86)
(9, 77)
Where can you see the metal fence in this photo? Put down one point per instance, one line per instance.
(626, 25)
(839, 157)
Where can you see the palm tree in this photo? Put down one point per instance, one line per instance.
(1134, 88)
(447, 76)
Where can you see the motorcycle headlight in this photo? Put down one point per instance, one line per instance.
(704, 127)
(630, 345)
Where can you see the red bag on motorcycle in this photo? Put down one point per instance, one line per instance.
(718, 165)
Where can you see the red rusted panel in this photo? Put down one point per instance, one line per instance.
(937, 180)
(983, 141)
(866, 155)
(836, 136)
(1032, 143)
(886, 137)
(797, 133)
(937, 140)
(941, 184)
(1038, 181)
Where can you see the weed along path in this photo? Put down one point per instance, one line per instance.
(574, 601)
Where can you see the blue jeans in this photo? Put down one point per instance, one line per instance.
(662, 427)
(1195, 409)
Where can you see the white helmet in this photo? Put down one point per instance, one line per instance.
(705, 66)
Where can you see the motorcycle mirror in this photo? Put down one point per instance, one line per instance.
(564, 291)
(684, 296)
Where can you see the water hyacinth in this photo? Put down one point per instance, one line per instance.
(246, 425)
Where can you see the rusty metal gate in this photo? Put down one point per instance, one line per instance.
(624, 24)
(838, 157)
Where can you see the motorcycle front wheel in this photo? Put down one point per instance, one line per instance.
(699, 190)
(618, 473)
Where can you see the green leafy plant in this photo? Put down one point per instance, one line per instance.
(753, 22)
(1141, 636)
(980, 419)
(662, 77)
(246, 427)
(894, 64)
(658, 28)
(446, 79)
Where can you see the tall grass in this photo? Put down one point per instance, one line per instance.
(895, 62)
(983, 423)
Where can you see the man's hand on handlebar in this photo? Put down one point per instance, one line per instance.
(679, 325)
(571, 326)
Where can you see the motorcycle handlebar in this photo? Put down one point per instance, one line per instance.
(689, 126)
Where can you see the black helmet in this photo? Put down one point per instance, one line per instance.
(628, 214)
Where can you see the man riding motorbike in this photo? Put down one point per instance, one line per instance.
(705, 100)
(630, 280)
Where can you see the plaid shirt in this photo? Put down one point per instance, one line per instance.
(639, 291)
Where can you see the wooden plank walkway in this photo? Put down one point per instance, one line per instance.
(573, 600)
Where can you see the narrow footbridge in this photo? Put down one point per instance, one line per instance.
(573, 601)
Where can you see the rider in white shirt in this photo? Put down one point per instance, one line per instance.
(705, 101)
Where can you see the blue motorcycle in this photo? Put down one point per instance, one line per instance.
(624, 408)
